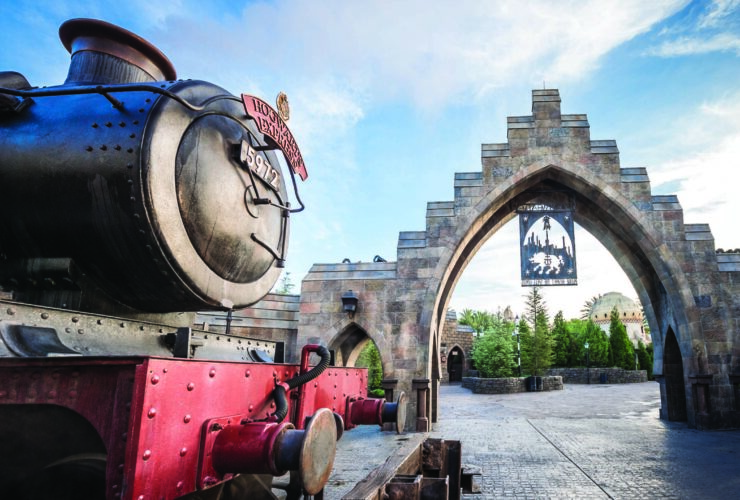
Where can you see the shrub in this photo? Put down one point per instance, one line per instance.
(493, 354)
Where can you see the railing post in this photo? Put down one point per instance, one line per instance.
(389, 386)
(421, 386)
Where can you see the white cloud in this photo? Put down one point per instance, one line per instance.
(430, 53)
(322, 113)
(715, 30)
(723, 42)
(707, 176)
(719, 11)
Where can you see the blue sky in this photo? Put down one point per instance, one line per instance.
(390, 99)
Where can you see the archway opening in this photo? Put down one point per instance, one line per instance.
(491, 284)
(353, 347)
(456, 364)
(605, 215)
(370, 358)
(675, 388)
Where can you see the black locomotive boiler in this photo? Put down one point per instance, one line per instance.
(129, 200)
(125, 185)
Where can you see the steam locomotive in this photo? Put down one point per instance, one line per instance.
(130, 200)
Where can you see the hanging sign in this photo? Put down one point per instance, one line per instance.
(270, 123)
(547, 246)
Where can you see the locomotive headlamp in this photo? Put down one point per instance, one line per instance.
(349, 302)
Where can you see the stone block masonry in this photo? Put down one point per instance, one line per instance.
(508, 385)
(599, 375)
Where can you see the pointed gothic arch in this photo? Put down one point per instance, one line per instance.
(348, 343)
(456, 362)
(687, 290)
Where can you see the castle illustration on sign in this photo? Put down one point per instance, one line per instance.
(547, 247)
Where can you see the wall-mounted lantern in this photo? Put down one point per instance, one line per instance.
(349, 303)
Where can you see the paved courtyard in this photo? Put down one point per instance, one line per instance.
(587, 441)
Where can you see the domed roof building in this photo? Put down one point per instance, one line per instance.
(630, 314)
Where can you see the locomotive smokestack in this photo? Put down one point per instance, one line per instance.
(103, 54)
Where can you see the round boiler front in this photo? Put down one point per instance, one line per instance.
(216, 204)
(201, 193)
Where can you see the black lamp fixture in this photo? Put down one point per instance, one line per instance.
(349, 303)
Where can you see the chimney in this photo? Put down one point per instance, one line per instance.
(104, 54)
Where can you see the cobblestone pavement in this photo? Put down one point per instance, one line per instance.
(587, 441)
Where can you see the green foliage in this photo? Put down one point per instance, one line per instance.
(370, 358)
(598, 345)
(537, 348)
(645, 358)
(479, 321)
(285, 285)
(577, 327)
(621, 352)
(568, 348)
(376, 393)
(494, 352)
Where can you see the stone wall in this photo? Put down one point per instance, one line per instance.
(388, 312)
(508, 385)
(454, 334)
(599, 375)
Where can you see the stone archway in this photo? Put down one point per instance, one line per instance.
(685, 287)
(348, 344)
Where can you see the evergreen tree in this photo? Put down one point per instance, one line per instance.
(577, 327)
(621, 352)
(645, 359)
(576, 336)
(598, 345)
(538, 345)
(562, 340)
